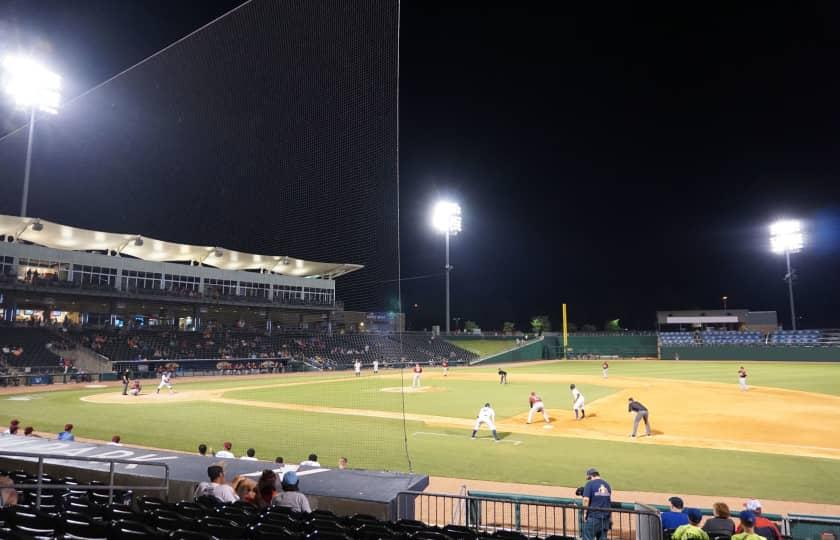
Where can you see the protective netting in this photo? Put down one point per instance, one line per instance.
(271, 130)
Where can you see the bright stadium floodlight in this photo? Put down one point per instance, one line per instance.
(33, 87)
(786, 237)
(446, 219)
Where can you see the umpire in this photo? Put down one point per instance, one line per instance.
(597, 499)
(126, 378)
(641, 414)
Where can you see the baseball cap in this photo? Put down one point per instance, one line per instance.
(290, 479)
(753, 505)
(227, 445)
(677, 502)
(694, 515)
(747, 517)
(592, 472)
(486, 404)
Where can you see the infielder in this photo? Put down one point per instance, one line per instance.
(165, 379)
(502, 376)
(357, 367)
(742, 378)
(641, 414)
(445, 365)
(535, 402)
(375, 367)
(415, 381)
(605, 367)
(577, 402)
(486, 416)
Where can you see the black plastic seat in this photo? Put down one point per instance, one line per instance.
(75, 529)
(460, 532)
(124, 529)
(241, 515)
(268, 531)
(167, 520)
(430, 534)
(191, 510)
(117, 512)
(222, 528)
(509, 535)
(373, 531)
(34, 523)
(327, 535)
(181, 534)
(148, 504)
(208, 501)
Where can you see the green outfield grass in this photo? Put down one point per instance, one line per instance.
(382, 443)
(485, 347)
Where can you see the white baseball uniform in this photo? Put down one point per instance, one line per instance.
(578, 399)
(537, 406)
(164, 381)
(415, 381)
(358, 368)
(375, 366)
(486, 416)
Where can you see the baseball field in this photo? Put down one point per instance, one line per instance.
(778, 440)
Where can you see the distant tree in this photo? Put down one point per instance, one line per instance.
(508, 327)
(589, 328)
(540, 324)
(469, 326)
(612, 326)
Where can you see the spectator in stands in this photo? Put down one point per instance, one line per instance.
(29, 431)
(674, 517)
(342, 463)
(12, 425)
(763, 526)
(8, 495)
(721, 524)
(747, 527)
(245, 488)
(115, 441)
(291, 497)
(67, 434)
(279, 460)
(597, 498)
(249, 455)
(311, 462)
(219, 488)
(691, 530)
(266, 488)
(202, 450)
(226, 453)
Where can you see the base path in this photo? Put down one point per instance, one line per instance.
(682, 413)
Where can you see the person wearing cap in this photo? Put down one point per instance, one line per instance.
(721, 524)
(486, 415)
(675, 517)
(597, 499)
(747, 527)
(691, 530)
(641, 411)
(763, 526)
(67, 434)
(226, 453)
(291, 497)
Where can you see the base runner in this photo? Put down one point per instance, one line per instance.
(535, 403)
(415, 381)
(486, 416)
(577, 402)
(165, 380)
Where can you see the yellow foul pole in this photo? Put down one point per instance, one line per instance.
(565, 332)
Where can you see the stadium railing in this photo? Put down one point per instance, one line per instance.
(530, 515)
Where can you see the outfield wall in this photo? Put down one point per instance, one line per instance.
(746, 352)
(533, 350)
(621, 345)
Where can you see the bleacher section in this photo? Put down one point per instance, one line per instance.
(734, 337)
(22, 348)
(795, 337)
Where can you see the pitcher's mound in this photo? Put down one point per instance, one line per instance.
(410, 390)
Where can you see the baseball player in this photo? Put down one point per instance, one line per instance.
(502, 376)
(742, 378)
(415, 381)
(535, 402)
(357, 367)
(165, 380)
(605, 367)
(126, 380)
(577, 402)
(486, 416)
(135, 388)
(641, 411)
(375, 367)
(445, 365)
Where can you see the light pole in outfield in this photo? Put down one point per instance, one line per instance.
(446, 219)
(34, 88)
(786, 237)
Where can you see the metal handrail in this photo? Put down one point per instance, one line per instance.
(40, 485)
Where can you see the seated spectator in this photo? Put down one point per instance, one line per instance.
(291, 497)
(218, 487)
(266, 488)
(763, 526)
(692, 530)
(342, 463)
(29, 431)
(675, 516)
(8, 495)
(202, 449)
(115, 441)
(721, 524)
(747, 527)
(279, 460)
(311, 462)
(13, 426)
(249, 455)
(245, 489)
(67, 434)
(226, 453)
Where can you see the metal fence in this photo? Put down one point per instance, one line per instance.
(40, 486)
(531, 516)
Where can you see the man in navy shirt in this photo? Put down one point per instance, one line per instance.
(597, 499)
(674, 517)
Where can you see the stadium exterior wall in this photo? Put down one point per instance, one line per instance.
(744, 353)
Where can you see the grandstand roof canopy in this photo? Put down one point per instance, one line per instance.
(57, 236)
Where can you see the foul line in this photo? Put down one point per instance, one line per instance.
(430, 434)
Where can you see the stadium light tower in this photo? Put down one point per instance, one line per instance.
(33, 87)
(446, 219)
(786, 237)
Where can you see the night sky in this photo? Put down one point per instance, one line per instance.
(616, 158)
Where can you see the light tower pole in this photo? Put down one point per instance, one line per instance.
(446, 219)
(786, 237)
